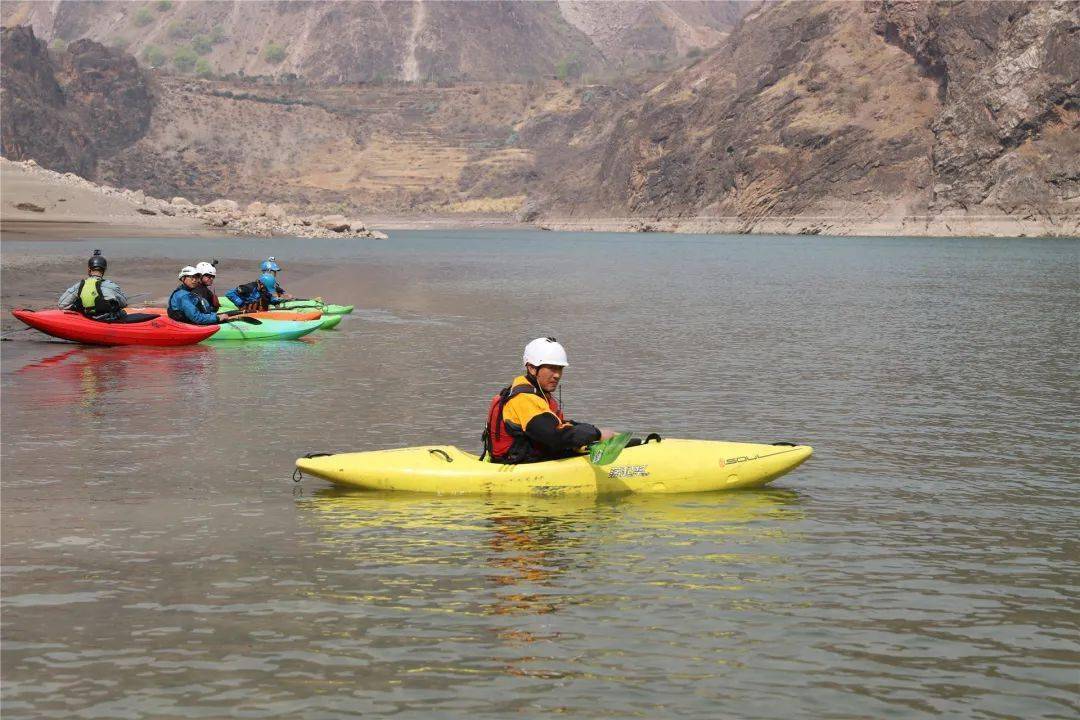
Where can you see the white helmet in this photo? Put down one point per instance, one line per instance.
(187, 271)
(545, 351)
(205, 268)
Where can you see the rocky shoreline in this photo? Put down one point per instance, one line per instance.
(134, 207)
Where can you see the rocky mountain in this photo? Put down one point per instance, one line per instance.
(384, 40)
(832, 116)
(68, 109)
(838, 117)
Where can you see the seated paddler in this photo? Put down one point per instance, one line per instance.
(205, 288)
(94, 296)
(270, 267)
(526, 423)
(255, 296)
(187, 306)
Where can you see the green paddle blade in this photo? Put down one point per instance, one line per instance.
(605, 451)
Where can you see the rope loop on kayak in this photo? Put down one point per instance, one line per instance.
(784, 444)
(437, 451)
(652, 436)
(298, 474)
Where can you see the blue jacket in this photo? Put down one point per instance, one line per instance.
(249, 293)
(186, 306)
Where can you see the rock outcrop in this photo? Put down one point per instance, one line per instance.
(380, 40)
(69, 109)
(832, 117)
(1006, 137)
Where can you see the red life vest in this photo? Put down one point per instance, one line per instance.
(500, 437)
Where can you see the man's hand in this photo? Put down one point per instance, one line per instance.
(606, 434)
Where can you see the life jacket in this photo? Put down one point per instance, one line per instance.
(174, 312)
(245, 291)
(209, 296)
(505, 442)
(90, 302)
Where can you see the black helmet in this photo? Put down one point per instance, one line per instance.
(97, 262)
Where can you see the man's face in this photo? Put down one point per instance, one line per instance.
(548, 377)
(190, 281)
(208, 280)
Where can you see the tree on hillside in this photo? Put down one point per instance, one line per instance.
(182, 29)
(154, 56)
(184, 59)
(202, 44)
(569, 68)
(273, 53)
(143, 17)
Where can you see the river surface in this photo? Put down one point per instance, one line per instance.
(159, 562)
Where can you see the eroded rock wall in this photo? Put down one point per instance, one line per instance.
(68, 109)
(1006, 137)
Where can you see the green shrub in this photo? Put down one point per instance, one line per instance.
(184, 59)
(181, 30)
(273, 53)
(120, 43)
(143, 17)
(217, 35)
(163, 5)
(202, 68)
(155, 56)
(202, 44)
(569, 68)
(59, 45)
(694, 52)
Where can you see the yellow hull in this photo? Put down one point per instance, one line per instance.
(671, 466)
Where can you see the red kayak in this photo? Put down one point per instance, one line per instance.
(69, 325)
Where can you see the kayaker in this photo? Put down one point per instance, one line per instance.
(270, 267)
(186, 306)
(205, 288)
(525, 422)
(95, 297)
(255, 296)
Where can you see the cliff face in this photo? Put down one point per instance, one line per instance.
(825, 112)
(803, 111)
(346, 42)
(882, 116)
(69, 109)
(1009, 81)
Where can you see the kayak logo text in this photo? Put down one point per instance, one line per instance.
(628, 471)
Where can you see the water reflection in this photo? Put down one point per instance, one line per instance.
(525, 545)
(535, 566)
(86, 376)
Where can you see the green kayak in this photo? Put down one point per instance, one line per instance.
(252, 329)
(327, 308)
(330, 321)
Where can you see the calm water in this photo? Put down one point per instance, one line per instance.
(159, 562)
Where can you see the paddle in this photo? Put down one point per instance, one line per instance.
(604, 452)
(241, 318)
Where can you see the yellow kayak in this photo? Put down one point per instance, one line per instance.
(669, 466)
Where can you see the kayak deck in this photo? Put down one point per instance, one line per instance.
(74, 326)
(670, 466)
(264, 330)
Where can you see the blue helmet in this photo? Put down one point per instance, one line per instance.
(268, 282)
(269, 265)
